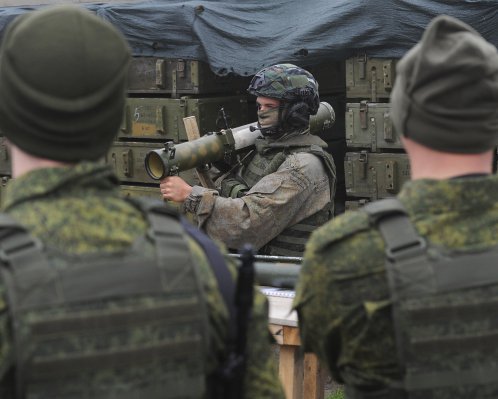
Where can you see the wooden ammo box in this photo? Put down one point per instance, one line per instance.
(162, 118)
(369, 78)
(368, 125)
(373, 175)
(179, 77)
(128, 161)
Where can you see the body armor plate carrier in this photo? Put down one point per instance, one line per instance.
(131, 324)
(266, 160)
(444, 312)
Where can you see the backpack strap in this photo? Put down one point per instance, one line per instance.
(400, 237)
(224, 279)
(18, 249)
(402, 245)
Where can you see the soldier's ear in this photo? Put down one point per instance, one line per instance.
(298, 115)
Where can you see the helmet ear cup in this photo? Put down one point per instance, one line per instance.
(297, 115)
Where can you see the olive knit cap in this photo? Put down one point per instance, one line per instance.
(62, 83)
(446, 92)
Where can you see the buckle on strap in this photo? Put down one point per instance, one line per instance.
(18, 243)
(400, 236)
(407, 249)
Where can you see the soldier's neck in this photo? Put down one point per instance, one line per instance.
(23, 162)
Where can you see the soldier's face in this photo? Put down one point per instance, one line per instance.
(268, 110)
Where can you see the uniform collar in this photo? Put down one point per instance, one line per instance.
(41, 182)
(441, 196)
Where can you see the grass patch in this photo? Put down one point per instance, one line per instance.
(339, 394)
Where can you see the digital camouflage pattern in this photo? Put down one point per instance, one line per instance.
(286, 82)
(78, 210)
(343, 298)
(298, 188)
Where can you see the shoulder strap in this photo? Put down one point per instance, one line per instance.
(400, 237)
(18, 249)
(225, 280)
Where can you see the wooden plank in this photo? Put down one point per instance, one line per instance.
(192, 130)
(285, 335)
(314, 377)
(290, 371)
(291, 336)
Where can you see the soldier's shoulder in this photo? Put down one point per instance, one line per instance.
(341, 228)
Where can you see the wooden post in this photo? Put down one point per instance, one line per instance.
(314, 377)
(193, 133)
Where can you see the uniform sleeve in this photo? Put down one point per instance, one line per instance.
(299, 188)
(261, 379)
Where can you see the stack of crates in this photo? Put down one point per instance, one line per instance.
(161, 92)
(375, 165)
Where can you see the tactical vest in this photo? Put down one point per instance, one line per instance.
(444, 308)
(266, 160)
(122, 325)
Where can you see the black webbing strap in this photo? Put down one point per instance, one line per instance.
(401, 238)
(18, 249)
(402, 242)
(225, 280)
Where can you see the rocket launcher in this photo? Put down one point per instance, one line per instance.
(219, 146)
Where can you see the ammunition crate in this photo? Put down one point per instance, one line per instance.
(128, 162)
(375, 176)
(179, 77)
(355, 205)
(162, 118)
(5, 167)
(369, 78)
(368, 125)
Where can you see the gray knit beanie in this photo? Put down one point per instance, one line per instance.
(62, 83)
(446, 92)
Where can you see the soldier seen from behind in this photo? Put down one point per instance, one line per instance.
(400, 298)
(281, 190)
(100, 297)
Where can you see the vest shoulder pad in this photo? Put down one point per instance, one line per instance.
(341, 228)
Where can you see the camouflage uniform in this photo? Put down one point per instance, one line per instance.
(298, 189)
(78, 210)
(343, 299)
(278, 198)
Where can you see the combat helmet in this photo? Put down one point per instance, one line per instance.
(295, 87)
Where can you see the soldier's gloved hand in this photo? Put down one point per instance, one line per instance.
(174, 188)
